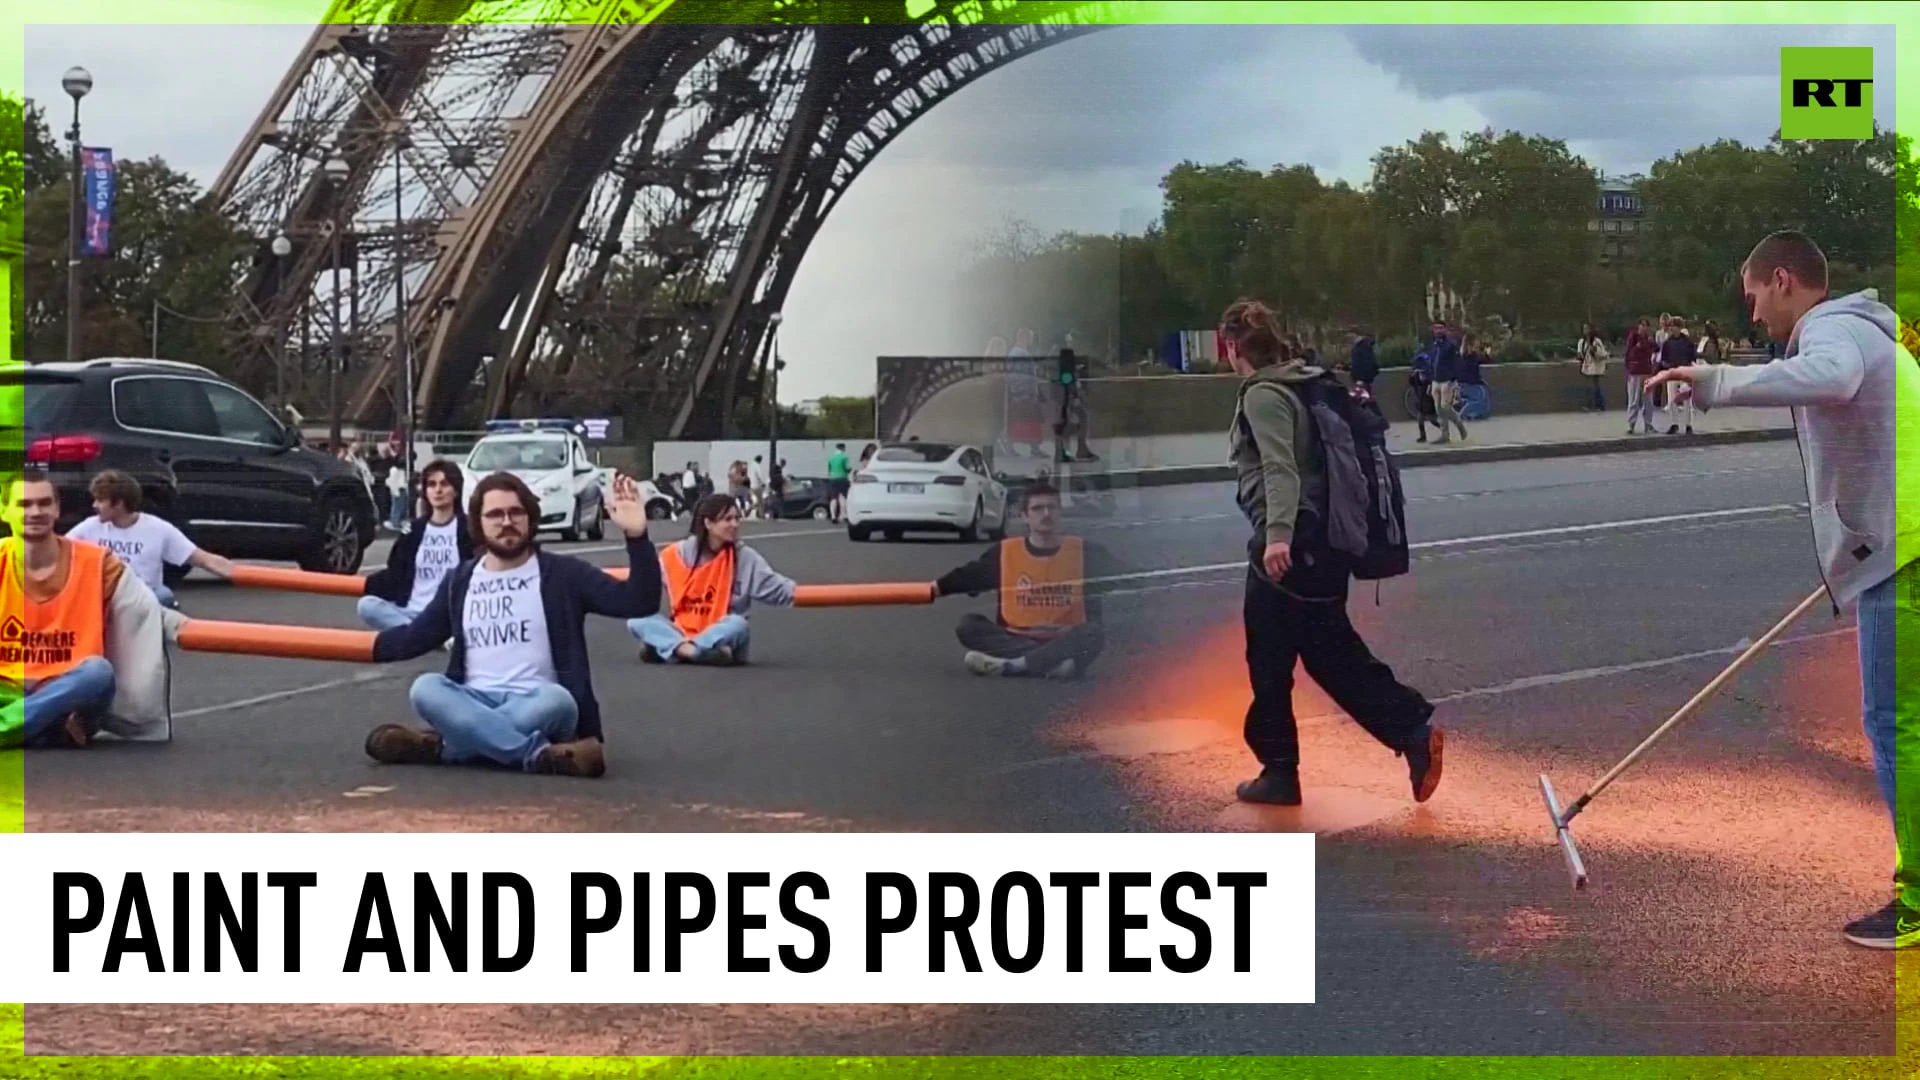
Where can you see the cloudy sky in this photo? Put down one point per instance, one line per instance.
(1077, 135)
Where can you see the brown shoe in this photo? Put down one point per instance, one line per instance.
(584, 757)
(1424, 761)
(395, 744)
(74, 732)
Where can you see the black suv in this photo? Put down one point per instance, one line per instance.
(209, 458)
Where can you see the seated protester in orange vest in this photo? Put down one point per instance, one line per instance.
(518, 690)
(1049, 618)
(70, 611)
(711, 581)
(432, 546)
(147, 543)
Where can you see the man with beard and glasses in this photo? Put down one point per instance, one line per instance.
(518, 691)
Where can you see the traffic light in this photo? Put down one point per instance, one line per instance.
(1069, 368)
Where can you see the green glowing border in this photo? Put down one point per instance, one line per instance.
(228, 12)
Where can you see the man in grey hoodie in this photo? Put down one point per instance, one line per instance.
(1295, 608)
(1855, 395)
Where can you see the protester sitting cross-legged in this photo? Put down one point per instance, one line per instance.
(83, 647)
(712, 579)
(518, 690)
(147, 543)
(1047, 584)
(421, 556)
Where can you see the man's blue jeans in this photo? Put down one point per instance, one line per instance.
(657, 632)
(1890, 680)
(87, 689)
(380, 613)
(485, 725)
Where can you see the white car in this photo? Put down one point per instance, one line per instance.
(556, 466)
(659, 507)
(927, 487)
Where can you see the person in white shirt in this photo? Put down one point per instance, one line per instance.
(421, 556)
(757, 480)
(148, 544)
(518, 690)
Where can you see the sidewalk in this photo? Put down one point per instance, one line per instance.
(1201, 458)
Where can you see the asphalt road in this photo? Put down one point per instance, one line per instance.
(1558, 611)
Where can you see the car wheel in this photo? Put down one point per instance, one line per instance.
(599, 530)
(659, 511)
(572, 535)
(970, 532)
(337, 548)
(859, 534)
(821, 513)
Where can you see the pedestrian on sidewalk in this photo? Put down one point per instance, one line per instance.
(1364, 366)
(1677, 351)
(1472, 385)
(1446, 381)
(1295, 608)
(1420, 381)
(1855, 396)
(1591, 352)
(1639, 366)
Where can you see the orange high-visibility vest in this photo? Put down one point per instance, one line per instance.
(701, 597)
(39, 640)
(1042, 595)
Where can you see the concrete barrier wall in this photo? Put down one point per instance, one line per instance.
(1185, 404)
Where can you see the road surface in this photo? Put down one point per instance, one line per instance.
(1558, 611)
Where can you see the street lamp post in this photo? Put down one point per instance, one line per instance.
(77, 82)
(773, 392)
(402, 341)
(282, 247)
(337, 171)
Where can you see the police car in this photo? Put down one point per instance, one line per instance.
(550, 458)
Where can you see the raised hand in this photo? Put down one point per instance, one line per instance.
(627, 510)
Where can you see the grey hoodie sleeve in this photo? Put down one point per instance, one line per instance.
(1270, 415)
(1827, 368)
(759, 581)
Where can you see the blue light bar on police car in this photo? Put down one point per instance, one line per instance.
(497, 426)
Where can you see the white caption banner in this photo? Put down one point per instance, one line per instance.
(1176, 918)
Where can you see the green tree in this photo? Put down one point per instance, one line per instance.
(840, 418)
(167, 247)
(1705, 209)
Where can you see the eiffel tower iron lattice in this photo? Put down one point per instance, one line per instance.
(596, 206)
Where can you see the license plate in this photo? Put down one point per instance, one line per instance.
(906, 489)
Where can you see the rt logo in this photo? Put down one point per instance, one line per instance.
(1826, 93)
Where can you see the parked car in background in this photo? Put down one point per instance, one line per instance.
(659, 504)
(806, 497)
(547, 456)
(927, 487)
(208, 457)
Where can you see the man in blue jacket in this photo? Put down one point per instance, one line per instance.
(518, 691)
(1855, 395)
(438, 541)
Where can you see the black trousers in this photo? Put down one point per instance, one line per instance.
(1282, 628)
(1082, 644)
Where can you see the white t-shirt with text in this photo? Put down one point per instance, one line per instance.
(505, 626)
(147, 546)
(439, 552)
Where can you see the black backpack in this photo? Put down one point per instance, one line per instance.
(1365, 516)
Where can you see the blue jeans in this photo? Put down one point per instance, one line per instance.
(166, 598)
(658, 633)
(382, 614)
(87, 689)
(485, 725)
(399, 516)
(1890, 681)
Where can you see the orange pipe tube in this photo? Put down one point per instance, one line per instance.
(893, 592)
(269, 639)
(865, 595)
(275, 577)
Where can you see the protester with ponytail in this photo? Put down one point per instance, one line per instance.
(711, 580)
(1295, 608)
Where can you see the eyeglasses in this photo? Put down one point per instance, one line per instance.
(497, 516)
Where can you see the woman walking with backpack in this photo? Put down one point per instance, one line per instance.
(1302, 558)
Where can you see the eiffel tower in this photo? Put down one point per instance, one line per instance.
(595, 208)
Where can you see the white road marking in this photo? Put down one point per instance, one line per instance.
(1530, 682)
(1142, 575)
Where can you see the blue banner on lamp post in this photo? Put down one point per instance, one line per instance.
(97, 176)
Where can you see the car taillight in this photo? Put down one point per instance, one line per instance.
(862, 478)
(955, 481)
(64, 450)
